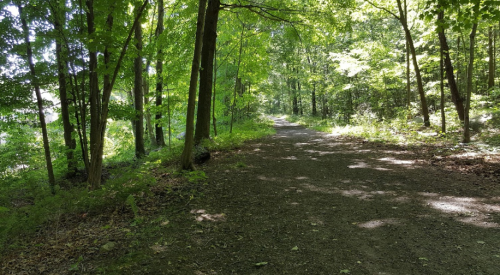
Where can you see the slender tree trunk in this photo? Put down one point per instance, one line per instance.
(491, 62)
(420, 86)
(160, 139)
(455, 95)
(295, 101)
(151, 134)
(187, 153)
(138, 96)
(408, 84)
(313, 100)
(206, 74)
(59, 17)
(470, 69)
(36, 85)
(238, 80)
(214, 119)
(441, 78)
(99, 102)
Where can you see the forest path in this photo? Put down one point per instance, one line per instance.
(304, 202)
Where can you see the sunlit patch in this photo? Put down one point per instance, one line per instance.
(202, 215)
(359, 164)
(382, 169)
(426, 194)
(378, 223)
(302, 178)
(300, 144)
(291, 158)
(398, 161)
(467, 210)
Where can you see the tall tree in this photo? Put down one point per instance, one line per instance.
(38, 94)
(99, 99)
(160, 139)
(491, 57)
(452, 84)
(402, 18)
(187, 153)
(138, 95)
(206, 74)
(58, 11)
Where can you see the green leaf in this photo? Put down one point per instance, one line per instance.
(261, 264)
(295, 248)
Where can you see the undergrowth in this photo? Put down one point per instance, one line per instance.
(403, 130)
(26, 204)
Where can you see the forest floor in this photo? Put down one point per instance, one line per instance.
(298, 202)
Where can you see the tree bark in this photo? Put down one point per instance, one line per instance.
(470, 68)
(138, 96)
(99, 103)
(214, 119)
(455, 95)
(313, 100)
(36, 85)
(59, 16)
(491, 62)
(187, 153)
(423, 102)
(206, 74)
(441, 86)
(160, 139)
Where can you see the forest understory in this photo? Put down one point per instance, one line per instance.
(297, 202)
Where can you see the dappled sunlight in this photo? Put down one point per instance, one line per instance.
(365, 195)
(202, 215)
(473, 211)
(405, 163)
(362, 164)
(290, 158)
(321, 153)
(378, 223)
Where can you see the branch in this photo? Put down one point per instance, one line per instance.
(384, 9)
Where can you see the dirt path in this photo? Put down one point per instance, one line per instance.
(298, 202)
(303, 202)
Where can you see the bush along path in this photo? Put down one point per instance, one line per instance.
(302, 202)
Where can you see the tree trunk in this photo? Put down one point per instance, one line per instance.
(160, 139)
(99, 103)
(238, 80)
(59, 17)
(36, 85)
(408, 84)
(455, 95)
(313, 100)
(214, 120)
(138, 96)
(420, 86)
(295, 105)
(441, 78)
(187, 153)
(149, 127)
(470, 68)
(206, 74)
(491, 62)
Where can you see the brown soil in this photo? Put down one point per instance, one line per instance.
(303, 202)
